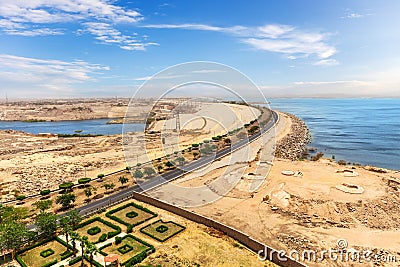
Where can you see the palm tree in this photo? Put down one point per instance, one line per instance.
(74, 236)
(84, 243)
(91, 250)
(65, 224)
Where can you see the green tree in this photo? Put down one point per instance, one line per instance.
(109, 186)
(180, 160)
(84, 242)
(74, 217)
(149, 171)
(169, 164)
(65, 225)
(89, 191)
(46, 224)
(13, 235)
(9, 213)
(123, 180)
(138, 174)
(66, 200)
(74, 237)
(43, 205)
(90, 250)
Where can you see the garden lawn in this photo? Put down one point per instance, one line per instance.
(83, 231)
(141, 215)
(137, 246)
(32, 257)
(163, 234)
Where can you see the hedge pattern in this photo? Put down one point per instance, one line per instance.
(46, 253)
(131, 204)
(44, 241)
(135, 259)
(108, 235)
(165, 239)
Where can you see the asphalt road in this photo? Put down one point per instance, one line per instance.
(174, 174)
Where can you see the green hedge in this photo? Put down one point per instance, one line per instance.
(108, 235)
(131, 204)
(84, 180)
(158, 239)
(66, 255)
(67, 185)
(94, 230)
(75, 260)
(45, 192)
(46, 253)
(20, 261)
(50, 263)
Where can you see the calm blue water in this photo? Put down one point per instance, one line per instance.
(365, 131)
(98, 126)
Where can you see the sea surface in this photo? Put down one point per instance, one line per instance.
(97, 126)
(365, 131)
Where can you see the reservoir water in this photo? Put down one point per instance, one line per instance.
(97, 126)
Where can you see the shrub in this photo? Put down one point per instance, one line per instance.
(195, 145)
(138, 164)
(103, 238)
(94, 230)
(118, 240)
(162, 228)
(45, 192)
(131, 214)
(138, 174)
(75, 260)
(84, 180)
(21, 197)
(65, 186)
(46, 253)
(100, 176)
(129, 228)
(66, 254)
(342, 162)
(120, 220)
(317, 156)
(124, 249)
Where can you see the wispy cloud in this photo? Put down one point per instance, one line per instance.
(38, 18)
(106, 34)
(278, 38)
(20, 72)
(327, 62)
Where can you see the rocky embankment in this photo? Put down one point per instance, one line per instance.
(294, 145)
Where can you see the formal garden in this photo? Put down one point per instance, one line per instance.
(162, 231)
(131, 215)
(45, 253)
(130, 249)
(97, 230)
(69, 240)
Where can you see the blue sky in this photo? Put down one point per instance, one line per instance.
(74, 48)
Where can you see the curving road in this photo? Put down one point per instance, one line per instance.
(176, 173)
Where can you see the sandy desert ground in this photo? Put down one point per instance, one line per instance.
(286, 212)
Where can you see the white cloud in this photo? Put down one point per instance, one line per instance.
(34, 32)
(106, 34)
(327, 62)
(22, 72)
(354, 16)
(38, 17)
(276, 38)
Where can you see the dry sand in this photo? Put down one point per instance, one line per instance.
(308, 212)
